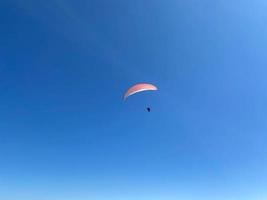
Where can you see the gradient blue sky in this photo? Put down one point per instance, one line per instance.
(66, 134)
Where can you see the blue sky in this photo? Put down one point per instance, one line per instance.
(66, 134)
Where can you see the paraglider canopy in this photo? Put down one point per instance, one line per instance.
(139, 88)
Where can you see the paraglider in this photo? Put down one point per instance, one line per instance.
(140, 88)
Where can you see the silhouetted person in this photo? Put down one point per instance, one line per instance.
(148, 109)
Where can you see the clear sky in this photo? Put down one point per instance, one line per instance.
(66, 134)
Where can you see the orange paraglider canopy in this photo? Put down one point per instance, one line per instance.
(139, 88)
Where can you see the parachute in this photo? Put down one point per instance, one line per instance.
(139, 88)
